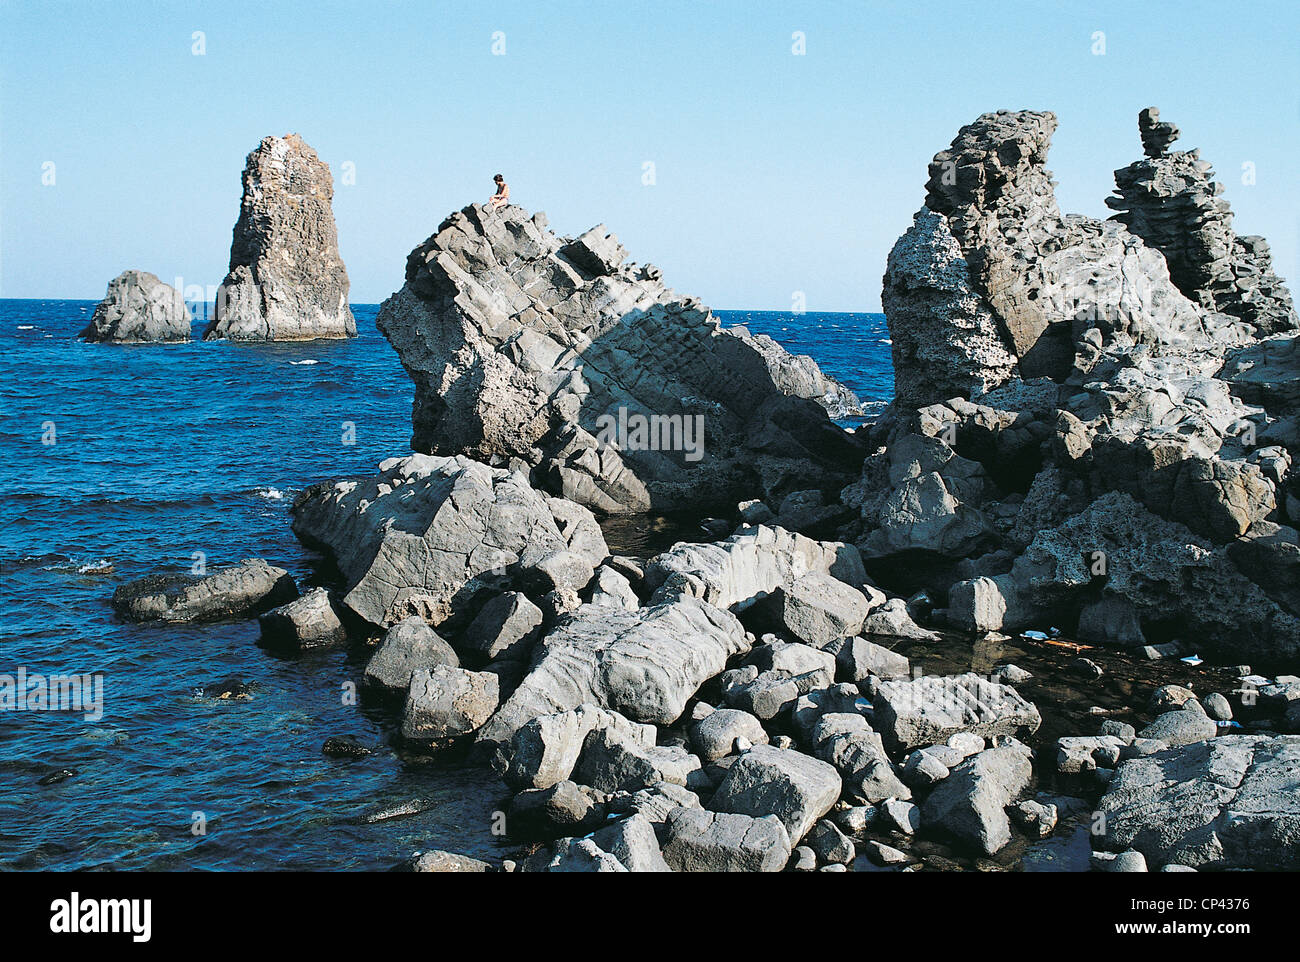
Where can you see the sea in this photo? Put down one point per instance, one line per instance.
(117, 462)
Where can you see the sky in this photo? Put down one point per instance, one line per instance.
(774, 173)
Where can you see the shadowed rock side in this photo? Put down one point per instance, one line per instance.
(1077, 436)
(286, 280)
(552, 353)
(139, 309)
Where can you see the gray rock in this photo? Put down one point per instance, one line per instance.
(1231, 802)
(611, 587)
(891, 620)
(644, 664)
(407, 646)
(969, 806)
(307, 622)
(439, 861)
(803, 859)
(716, 734)
(1087, 753)
(1169, 696)
(506, 627)
(883, 854)
(830, 844)
(445, 702)
(1181, 727)
(286, 281)
(576, 855)
(926, 710)
(545, 750)
(525, 345)
(613, 762)
(696, 840)
(923, 770)
(563, 809)
(817, 609)
(138, 308)
(899, 816)
(797, 788)
(1035, 819)
(428, 535)
(632, 841)
(858, 658)
(248, 588)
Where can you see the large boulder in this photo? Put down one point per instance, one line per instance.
(545, 750)
(138, 308)
(286, 280)
(970, 804)
(1229, 803)
(696, 840)
(248, 588)
(927, 710)
(796, 788)
(621, 395)
(428, 535)
(643, 664)
(407, 647)
(444, 703)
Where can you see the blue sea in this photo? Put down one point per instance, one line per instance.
(118, 462)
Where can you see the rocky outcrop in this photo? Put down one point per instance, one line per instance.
(1172, 202)
(248, 588)
(138, 308)
(1229, 803)
(286, 280)
(615, 392)
(435, 537)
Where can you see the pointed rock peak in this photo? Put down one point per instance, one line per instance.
(1156, 134)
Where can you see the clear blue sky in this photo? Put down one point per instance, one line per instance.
(774, 173)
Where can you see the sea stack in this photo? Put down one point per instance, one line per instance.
(554, 354)
(138, 308)
(286, 280)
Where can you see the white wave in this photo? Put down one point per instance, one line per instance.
(271, 494)
(26, 327)
(308, 361)
(101, 567)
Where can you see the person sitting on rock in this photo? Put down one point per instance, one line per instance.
(502, 196)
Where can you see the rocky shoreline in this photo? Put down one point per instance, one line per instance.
(1088, 457)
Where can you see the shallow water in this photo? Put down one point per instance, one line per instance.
(160, 452)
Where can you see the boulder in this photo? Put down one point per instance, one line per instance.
(797, 788)
(696, 840)
(858, 659)
(439, 861)
(715, 735)
(969, 805)
(428, 535)
(1181, 727)
(506, 627)
(307, 622)
(818, 609)
(248, 588)
(562, 809)
(445, 702)
(927, 710)
(286, 280)
(1229, 803)
(407, 646)
(613, 762)
(632, 841)
(138, 308)
(545, 750)
(643, 664)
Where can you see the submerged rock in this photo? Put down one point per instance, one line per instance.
(619, 394)
(245, 589)
(139, 309)
(286, 281)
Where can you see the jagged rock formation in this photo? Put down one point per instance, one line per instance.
(552, 353)
(138, 308)
(286, 280)
(1088, 428)
(1172, 202)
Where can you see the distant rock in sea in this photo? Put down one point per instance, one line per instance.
(139, 309)
(616, 392)
(286, 281)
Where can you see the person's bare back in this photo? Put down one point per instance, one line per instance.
(502, 196)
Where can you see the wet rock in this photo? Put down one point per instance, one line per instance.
(286, 281)
(446, 702)
(55, 777)
(1230, 802)
(439, 861)
(519, 350)
(563, 809)
(407, 647)
(248, 588)
(926, 710)
(345, 746)
(696, 840)
(797, 788)
(970, 804)
(311, 621)
(138, 308)
(229, 689)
